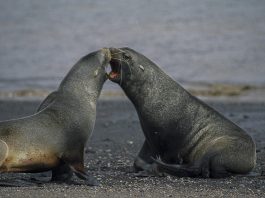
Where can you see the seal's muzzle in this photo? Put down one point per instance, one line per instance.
(116, 65)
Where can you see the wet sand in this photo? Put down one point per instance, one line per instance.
(116, 141)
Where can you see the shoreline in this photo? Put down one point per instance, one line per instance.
(204, 91)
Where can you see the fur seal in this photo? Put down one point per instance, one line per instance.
(54, 138)
(183, 135)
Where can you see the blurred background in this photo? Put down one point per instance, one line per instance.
(209, 46)
(214, 48)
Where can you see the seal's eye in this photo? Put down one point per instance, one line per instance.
(126, 56)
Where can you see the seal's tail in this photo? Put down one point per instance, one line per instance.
(3, 151)
(176, 169)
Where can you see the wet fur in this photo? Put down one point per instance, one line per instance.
(191, 138)
(54, 138)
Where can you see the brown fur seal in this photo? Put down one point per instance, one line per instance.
(54, 138)
(184, 136)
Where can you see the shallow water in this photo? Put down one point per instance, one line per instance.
(206, 41)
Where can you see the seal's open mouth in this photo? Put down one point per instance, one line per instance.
(115, 73)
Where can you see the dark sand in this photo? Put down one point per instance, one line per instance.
(116, 141)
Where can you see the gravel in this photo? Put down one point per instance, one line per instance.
(116, 141)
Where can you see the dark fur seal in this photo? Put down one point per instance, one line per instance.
(54, 138)
(184, 136)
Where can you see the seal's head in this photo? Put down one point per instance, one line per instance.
(126, 64)
(103, 57)
(96, 63)
(92, 66)
(88, 73)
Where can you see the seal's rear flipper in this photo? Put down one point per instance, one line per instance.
(144, 161)
(80, 172)
(140, 165)
(251, 174)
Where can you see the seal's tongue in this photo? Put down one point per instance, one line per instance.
(115, 64)
(113, 74)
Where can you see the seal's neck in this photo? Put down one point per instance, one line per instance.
(147, 89)
(141, 87)
(76, 97)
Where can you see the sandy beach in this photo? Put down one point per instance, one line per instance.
(116, 141)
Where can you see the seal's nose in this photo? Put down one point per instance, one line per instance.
(115, 52)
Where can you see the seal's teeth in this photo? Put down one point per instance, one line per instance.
(107, 69)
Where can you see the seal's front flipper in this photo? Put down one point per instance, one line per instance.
(62, 174)
(59, 174)
(80, 172)
(144, 159)
(41, 178)
(181, 170)
(140, 165)
(145, 169)
(19, 183)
